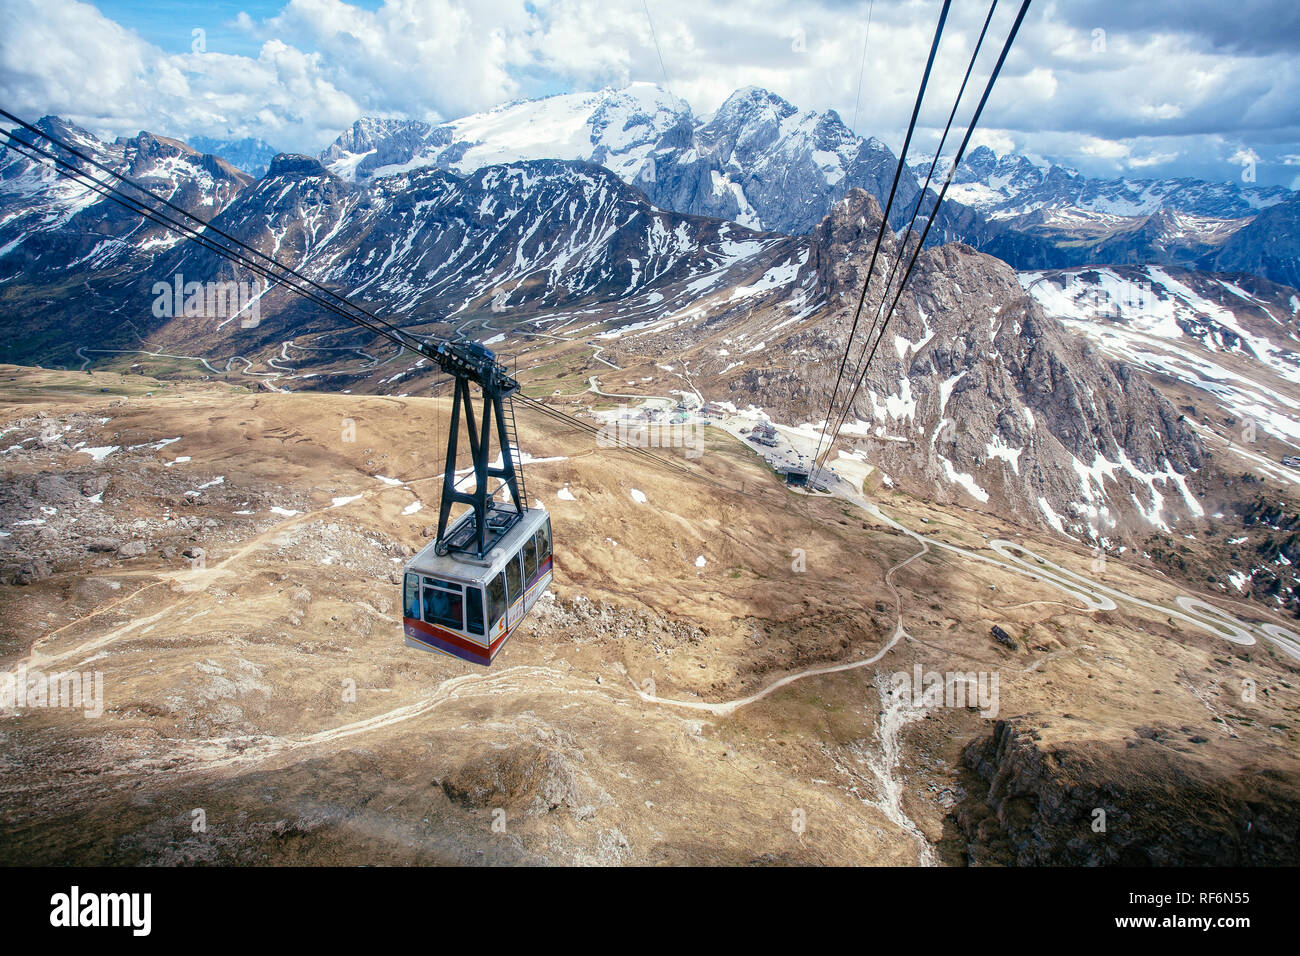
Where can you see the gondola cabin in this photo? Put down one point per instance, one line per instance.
(467, 607)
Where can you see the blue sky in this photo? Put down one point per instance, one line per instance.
(169, 24)
(1112, 87)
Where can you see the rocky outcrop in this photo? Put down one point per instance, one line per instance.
(529, 777)
(973, 390)
(1144, 803)
(1269, 246)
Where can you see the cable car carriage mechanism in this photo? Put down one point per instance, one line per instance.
(466, 592)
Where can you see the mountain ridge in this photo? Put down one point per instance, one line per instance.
(762, 162)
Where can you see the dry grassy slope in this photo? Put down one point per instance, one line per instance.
(224, 684)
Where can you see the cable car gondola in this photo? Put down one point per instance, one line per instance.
(457, 605)
(466, 592)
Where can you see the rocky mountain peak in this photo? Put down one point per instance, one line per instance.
(295, 166)
(981, 161)
(145, 148)
(369, 131)
(66, 130)
(754, 102)
(974, 391)
(848, 232)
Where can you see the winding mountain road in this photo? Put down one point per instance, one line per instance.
(1092, 595)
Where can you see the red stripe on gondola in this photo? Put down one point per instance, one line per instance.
(432, 642)
(452, 642)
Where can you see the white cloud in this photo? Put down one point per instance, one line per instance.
(1151, 159)
(113, 82)
(435, 59)
(1104, 148)
(1160, 111)
(999, 140)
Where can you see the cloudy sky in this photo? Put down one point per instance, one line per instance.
(1111, 87)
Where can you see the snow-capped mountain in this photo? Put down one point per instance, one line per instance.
(1005, 187)
(618, 129)
(758, 161)
(426, 246)
(429, 243)
(764, 163)
(1038, 215)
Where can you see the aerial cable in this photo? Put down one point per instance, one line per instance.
(68, 170)
(653, 36)
(862, 372)
(920, 196)
(916, 209)
(862, 67)
(884, 221)
(190, 215)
